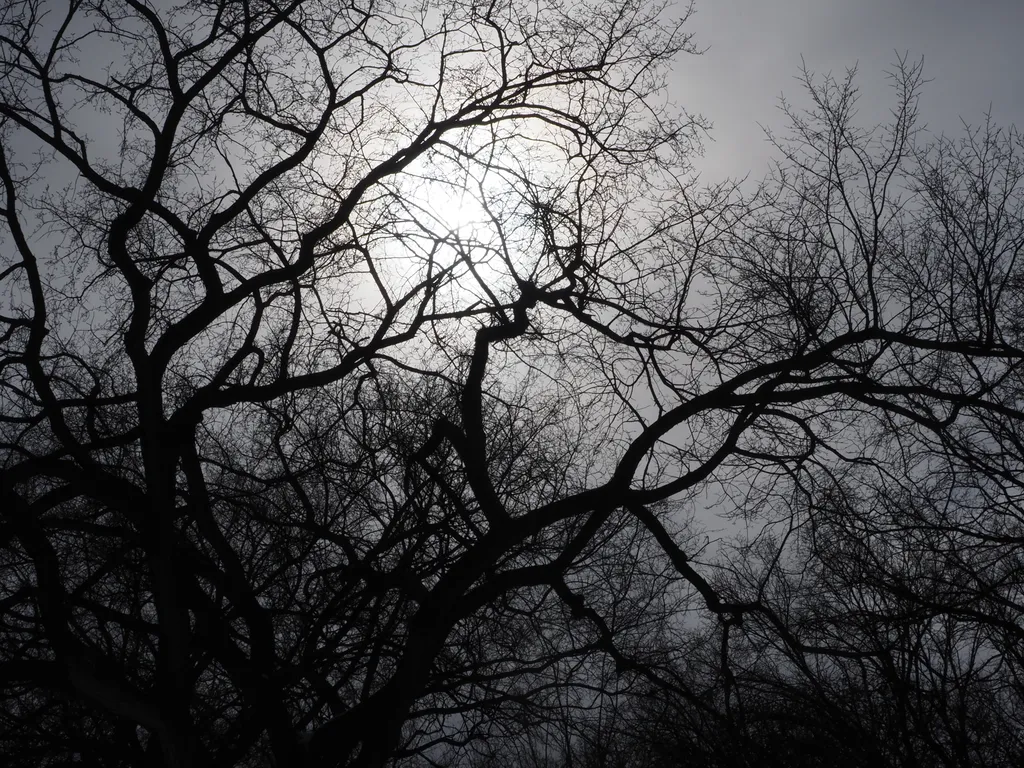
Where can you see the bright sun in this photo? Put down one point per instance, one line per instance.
(456, 211)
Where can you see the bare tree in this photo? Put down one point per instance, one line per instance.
(882, 573)
(870, 613)
(265, 498)
(357, 361)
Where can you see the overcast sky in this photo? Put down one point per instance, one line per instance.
(973, 54)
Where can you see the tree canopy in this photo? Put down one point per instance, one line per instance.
(370, 371)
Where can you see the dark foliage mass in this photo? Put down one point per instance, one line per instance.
(378, 387)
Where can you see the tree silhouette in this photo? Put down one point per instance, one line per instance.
(880, 581)
(361, 364)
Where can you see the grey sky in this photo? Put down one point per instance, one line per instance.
(973, 55)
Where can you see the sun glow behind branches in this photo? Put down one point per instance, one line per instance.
(454, 212)
(448, 217)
